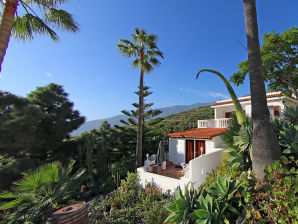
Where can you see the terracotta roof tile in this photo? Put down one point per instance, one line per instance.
(204, 133)
(269, 95)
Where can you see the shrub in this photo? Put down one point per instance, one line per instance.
(276, 199)
(99, 210)
(128, 193)
(41, 192)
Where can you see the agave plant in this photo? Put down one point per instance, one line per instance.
(42, 191)
(183, 205)
(217, 206)
(239, 112)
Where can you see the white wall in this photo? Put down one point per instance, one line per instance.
(163, 182)
(177, 150)
(200, 167)
(220, 111)
(213, 144)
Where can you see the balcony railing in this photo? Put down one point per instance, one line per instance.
(215, 123)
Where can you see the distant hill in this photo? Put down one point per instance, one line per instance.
(115, 120)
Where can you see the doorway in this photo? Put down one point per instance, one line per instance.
(194, 149)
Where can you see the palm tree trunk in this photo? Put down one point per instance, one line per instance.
(6, 24)
(139, 147)
(265, 148)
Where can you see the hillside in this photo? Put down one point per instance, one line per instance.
(115, 120)
(183, 121)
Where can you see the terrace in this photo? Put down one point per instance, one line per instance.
(214, 123)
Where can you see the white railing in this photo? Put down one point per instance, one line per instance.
(214, 123)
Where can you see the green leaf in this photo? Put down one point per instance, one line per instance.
(171, 207)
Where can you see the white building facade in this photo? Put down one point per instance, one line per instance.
(201, 148)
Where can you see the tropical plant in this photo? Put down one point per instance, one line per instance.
(183, 205)
(279, 57)
(240, 153)
(41, 192)
(239, 112)
(214, 204)
(265, 148)
(217, 207)
(145, 51)
(23, 24)
(286, 129)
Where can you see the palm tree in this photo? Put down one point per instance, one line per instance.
(265, 148)
(29, 23)
(41, 192)
(145, 51)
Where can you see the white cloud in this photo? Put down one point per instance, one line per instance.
(205, 94)
(48, 74)
(218, 95)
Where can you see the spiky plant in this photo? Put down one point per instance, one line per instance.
(35, 17)
(41, 192)
(239, 112)
(143, 48)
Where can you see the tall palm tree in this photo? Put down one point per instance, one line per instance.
(24, 25)
(265, 148)
(145, 51)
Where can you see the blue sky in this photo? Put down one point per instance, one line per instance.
(193, 34)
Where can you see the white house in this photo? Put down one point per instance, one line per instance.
(201, 148)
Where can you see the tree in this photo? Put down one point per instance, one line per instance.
(18, 119)
(37, 124)
(150, 135)
(24, 26)
(265, 148)
(148, 112)
(279, 57)
(145, 51)
(58, 117)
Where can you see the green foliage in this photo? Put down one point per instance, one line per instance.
(239, 111)
(129, 192)
(143, 48)
(214, 204)
(238, 140)
(125, 216)
(27, 22)
(34, 130)
(95, 154)
(279, 59)
(98, 210)
(41, 192)
(155, 213)
(130, 204)
(183, 205)
(275, 200)
(286, 129)
(148, 112)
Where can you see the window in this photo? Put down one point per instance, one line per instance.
(274, 111)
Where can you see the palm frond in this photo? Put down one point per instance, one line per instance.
(135, 63)
(61, 19)
(154, 61)
(46, 3)
(24, 28)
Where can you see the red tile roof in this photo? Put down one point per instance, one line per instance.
(204, 133)
(269, 95)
